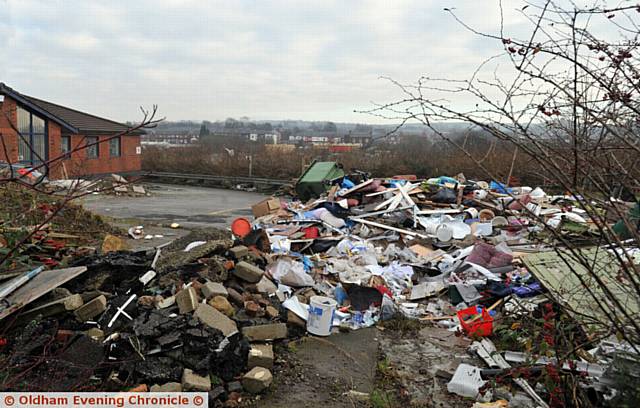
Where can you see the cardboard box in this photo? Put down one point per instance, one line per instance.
(266, 206)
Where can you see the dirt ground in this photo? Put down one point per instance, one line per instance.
(319, 371)
(368, 368)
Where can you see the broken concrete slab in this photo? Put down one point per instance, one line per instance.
(213, 318)
(39, 286)
(261, 355)
(265, 332)
(91, 309)
(194, 382)
(248, 272)
(266, 286)
(211, 289)
(139, 189)
(66, 304)
(187, 300)
(239, 251)
(257, 380)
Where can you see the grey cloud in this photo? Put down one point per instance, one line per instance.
(209, 60)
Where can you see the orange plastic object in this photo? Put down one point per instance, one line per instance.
(241, 227)
(475, 324)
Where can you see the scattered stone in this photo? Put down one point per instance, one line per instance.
(261, 355)
(139, 388)
(357, 396)
(295, 320)
(211, 289)
(234, 400)
(222, 305)
(266, 286)
(95, 334)
(248, 272)
(139, 189)
(257, 380)
(147, 301)
(272, 312)
(91, 309)
(252, 308)
(59, 293)
(64, 335)
(235, 297)
(112, 243)
(213, 318)
(218, 393)
(187, 300)
(66, 304)
(166, 302)
(168, 387)
(234, 386)
(193, 382)
(266, 332)
(239, 251)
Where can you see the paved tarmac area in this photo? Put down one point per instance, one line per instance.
(192, 207)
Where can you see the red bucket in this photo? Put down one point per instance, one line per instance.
(474, 323)
(241, 227)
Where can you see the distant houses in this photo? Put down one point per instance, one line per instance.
(334, 140)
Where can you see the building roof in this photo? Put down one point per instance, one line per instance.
(72, 120)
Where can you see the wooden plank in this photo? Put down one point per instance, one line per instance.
(39, 286)
(440, 211)
(388, 227)
(357, 187)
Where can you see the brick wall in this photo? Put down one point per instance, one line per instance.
(81, 165)
(8, 110)
(78, 164)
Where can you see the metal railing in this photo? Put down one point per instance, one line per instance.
(230, 179)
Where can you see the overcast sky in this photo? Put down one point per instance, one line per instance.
(312, 60)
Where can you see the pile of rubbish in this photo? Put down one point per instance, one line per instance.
(167, 319)
(109, 185)
(205, 311)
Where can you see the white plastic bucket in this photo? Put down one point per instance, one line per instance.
(443, 232)
(321, 310)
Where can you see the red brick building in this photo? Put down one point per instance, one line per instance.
(53, 133)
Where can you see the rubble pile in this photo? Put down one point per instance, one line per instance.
(204, 312)
(110, 185)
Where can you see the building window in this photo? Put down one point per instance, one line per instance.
(65, 146)
(93, 150)
(32, 140)
(114, 147)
